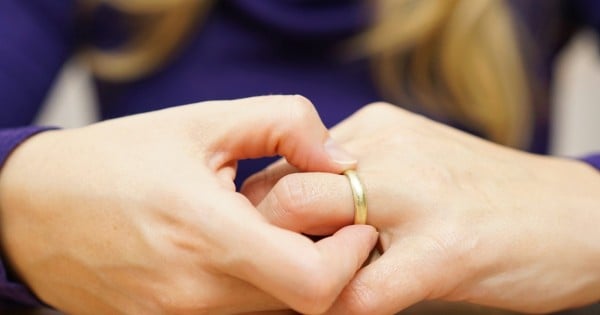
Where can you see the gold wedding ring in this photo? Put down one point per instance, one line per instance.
(358, 194)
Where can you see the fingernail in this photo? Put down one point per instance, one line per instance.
(338, 154)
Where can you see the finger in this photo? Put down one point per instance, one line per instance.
(306, 276)
(311, 203)
(257, 186)
(335, 262)
(276, 125)
(401, 277)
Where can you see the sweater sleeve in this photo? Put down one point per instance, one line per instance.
(36, 38)
(593, 160)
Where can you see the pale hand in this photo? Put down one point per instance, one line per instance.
(140, 215)
(460, 218)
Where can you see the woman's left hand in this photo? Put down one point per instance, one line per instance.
(460, 218)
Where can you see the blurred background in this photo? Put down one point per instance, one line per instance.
(576, 94)
(576, 99)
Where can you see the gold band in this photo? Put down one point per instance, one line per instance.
(360, 199)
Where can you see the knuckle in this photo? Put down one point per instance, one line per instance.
(300, 109)
(320, 298)
(317, 301)
(388, 110)
(412, 125)
(294, 113)
(384, 113)
(380, 108)
(319, 288)
(301, 102)
(292, 195)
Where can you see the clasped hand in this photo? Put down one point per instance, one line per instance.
(139, 215)
(459, 218)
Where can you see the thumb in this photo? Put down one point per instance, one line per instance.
(276, 125)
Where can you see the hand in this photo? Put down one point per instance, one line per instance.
(139, 215)
(460, 218)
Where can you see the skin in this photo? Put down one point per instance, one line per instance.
(140, 215)
(460, 218)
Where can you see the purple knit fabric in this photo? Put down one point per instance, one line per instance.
(593, 160)
(14, 291)
(11, 138)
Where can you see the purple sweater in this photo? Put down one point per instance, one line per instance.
(244, 48)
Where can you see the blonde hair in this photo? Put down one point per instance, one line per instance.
(458, 60)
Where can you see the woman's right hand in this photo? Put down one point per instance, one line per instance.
(140, 215)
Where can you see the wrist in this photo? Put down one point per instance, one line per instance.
(13, 142)
(16, 170)
(541, 237)
(589, 178)
(20, 177)
(576, 198)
